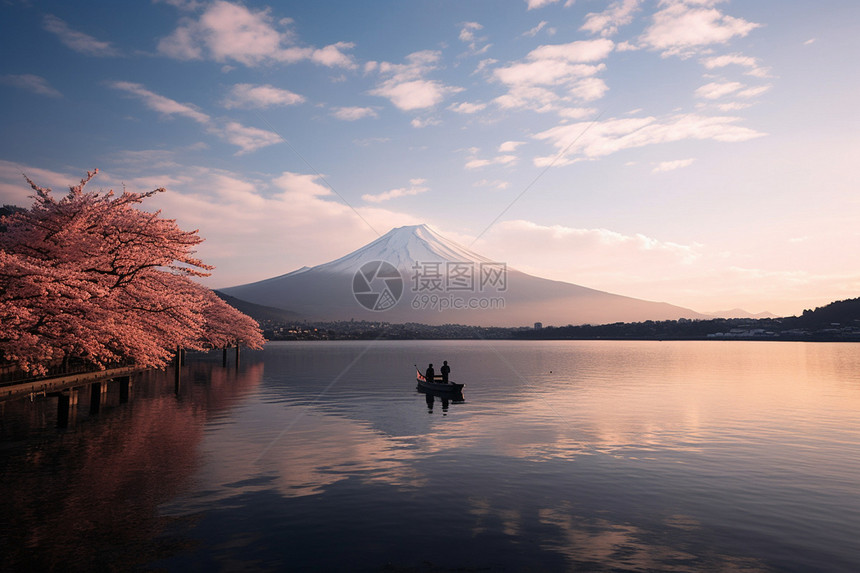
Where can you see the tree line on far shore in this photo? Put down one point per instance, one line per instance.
(90, 277)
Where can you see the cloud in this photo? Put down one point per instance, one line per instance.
(606, 23)
(467, 107)
(14, 190)
(555, 75)
(354, 113)
(584, 255)
(467, 36)
(231, 32)
(593, 140)
(716, 90)
(682, 28)
(416, 187)
(406, 86)
(248, 139)
(535, 4)
(509, 146)
(664, 166)
(78, 41)
(496, 183)
(32, 83)
(159, 103)
(534, 31)
(752, 64)
(250, 96)
(506, 159)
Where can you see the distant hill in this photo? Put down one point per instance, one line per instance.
(842, 312)
(739, 313)
(258, 312)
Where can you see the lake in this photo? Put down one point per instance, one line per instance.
(561, 455)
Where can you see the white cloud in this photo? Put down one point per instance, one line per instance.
(159, 103)
(534, 31)
(593, 140)
(506, 159)
(716, 90)
(424, 122)
(535, 4)
(260, 97)
(467, 107)
(231, 32)
(416, 187)
(509, 146)
(31, 83)
(682, 29)
(496, 183)
(78, 41)
(752, 64)
(606, 23)
(248, 139)
(664, 166)
(354, 113)
(467, 36)
(406, 86)
(555, 75)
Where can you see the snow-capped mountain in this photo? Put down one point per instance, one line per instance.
(413, 274)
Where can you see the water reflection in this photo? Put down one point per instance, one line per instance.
(87, 498)
(571, 456)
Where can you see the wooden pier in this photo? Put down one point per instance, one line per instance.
(51, 385)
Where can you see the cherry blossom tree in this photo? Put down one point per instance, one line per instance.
(90, 276)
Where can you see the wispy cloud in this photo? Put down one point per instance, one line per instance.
(354, 113)
(260, 97)
(78, 41)
(477, 44)
(754, 68)
(31, 83)
(590, 141)
(664, 166)
(416, 187)
(248, 139)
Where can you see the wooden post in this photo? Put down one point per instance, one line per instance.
(124, 388)
(177, 361)
(63, 405)
(95, 397)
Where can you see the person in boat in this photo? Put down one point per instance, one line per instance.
(445, 370)
(430, 374)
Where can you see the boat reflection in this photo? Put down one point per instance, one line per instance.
(446, 398)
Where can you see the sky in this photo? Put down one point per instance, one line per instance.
(703, 153)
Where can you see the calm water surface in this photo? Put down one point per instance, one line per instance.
(591, 456)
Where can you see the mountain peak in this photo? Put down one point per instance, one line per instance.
(405, 246)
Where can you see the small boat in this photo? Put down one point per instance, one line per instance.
(437, 385)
